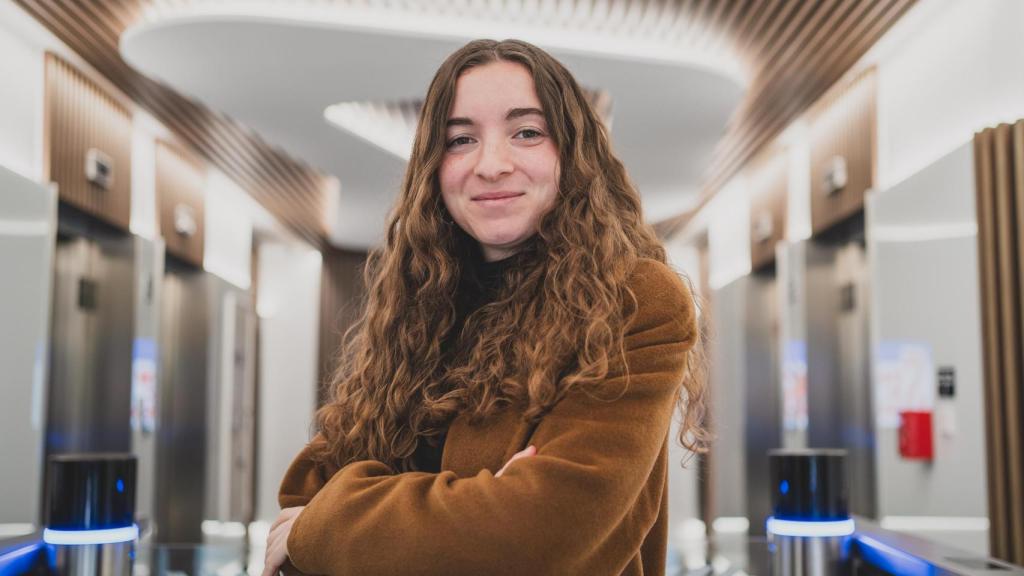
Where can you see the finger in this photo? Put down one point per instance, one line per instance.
(277, 521)
(528, 451)
(285, 515)
(276, 537)
(281, 531)
(271, 563)
(275, 557)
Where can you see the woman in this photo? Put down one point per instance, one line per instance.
(520, 319)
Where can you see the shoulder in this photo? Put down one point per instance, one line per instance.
(651, 279)
(660, 298)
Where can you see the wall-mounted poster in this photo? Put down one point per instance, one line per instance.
(794, 385)
(904, 380)
(143, 414)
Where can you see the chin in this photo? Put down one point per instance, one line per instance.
(503, 239)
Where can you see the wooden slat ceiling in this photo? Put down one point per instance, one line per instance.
(793, 49)
(797, 50)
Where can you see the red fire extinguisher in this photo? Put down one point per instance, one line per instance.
(916, 435)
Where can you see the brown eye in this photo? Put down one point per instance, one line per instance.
(528, 134)
(459, 141)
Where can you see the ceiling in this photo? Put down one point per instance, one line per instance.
(696, 86)
(278, 76)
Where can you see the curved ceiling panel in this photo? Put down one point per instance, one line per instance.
(279, 76)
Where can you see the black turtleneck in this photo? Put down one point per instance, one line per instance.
(479, 285)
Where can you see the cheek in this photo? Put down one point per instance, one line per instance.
(550, 172)
(448, 183)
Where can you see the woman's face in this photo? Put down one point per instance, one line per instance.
(499, 175)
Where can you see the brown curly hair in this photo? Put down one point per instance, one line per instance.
(394, 386)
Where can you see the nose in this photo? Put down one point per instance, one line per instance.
(494, 161)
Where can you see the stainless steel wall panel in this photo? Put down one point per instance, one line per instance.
(728, 400)
(822, 305)
(763, 414)
(231, 404)
(149, 266)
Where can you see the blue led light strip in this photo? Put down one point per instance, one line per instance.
(106, 536)
(19, 560)
(810, 528)
(891, 560)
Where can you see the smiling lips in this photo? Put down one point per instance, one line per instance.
(496, 196)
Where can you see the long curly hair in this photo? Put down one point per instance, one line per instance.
(558, 321)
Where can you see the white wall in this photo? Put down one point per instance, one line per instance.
(228, 251)
(797, 141)
(143, 221)
(21, 92)
(28, 215)
(729, 233)
(946, 70)
(922, 242)
(682, 482)
(952, 71)
(289, 311)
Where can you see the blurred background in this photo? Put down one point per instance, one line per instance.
(188, 191)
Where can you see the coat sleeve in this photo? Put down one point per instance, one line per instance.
(548, 514)
(304, 478)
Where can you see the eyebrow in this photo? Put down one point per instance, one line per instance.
(511, 115)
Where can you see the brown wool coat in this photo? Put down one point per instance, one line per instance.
(592, 501)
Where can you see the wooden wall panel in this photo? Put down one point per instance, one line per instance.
(288, 188)
(999, 173)
(180, 179)
(843, 126)
(79, 116)
(342, 295)
(769, 185)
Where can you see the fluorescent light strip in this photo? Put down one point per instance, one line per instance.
(226, 529)
(811, 528)
(934, 523)
(12, 529)
(106, 536)
(924, 232)
(731, 525)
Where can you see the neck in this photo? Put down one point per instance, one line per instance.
(492, 254)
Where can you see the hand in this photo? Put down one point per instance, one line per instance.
(277, 542)
(529, 451)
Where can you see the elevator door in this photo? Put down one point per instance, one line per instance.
(243, 410)
(91, 353)
(231, 409)
(181, 442)
(852, 280)
(838, 365)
